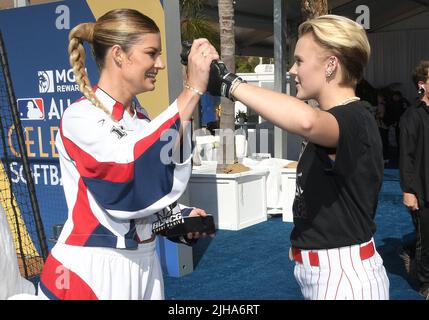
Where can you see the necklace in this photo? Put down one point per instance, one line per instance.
(349, 100)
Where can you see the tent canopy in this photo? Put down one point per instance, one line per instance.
(254, 19)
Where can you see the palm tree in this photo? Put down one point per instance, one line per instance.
(313, 8)
(193, 23)
(227, 51)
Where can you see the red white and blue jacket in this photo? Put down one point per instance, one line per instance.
(114, 175)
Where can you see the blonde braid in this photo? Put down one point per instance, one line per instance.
(80, 33)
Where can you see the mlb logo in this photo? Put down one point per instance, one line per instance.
(46, 81)
(31, 109)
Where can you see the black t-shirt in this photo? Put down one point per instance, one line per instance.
(335, 202)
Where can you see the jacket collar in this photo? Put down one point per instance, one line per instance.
(115, 107)
(424, 106)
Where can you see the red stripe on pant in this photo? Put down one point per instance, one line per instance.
(366, 252)
(63, 283)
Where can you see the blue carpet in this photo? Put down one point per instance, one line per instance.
(253, 263)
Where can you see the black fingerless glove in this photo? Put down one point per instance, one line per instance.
(221, 81)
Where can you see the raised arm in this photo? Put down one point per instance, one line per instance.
(291, 114)
(200, 57)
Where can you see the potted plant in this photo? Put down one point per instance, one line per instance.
(241, 117)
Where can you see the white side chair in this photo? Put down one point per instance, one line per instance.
(207, 147)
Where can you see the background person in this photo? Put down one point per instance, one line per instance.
(414, 172)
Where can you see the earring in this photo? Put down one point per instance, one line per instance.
(421, 92)
(331, 66)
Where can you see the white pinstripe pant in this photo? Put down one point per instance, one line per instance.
(342, 275)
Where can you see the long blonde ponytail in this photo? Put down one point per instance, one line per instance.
(80, 33)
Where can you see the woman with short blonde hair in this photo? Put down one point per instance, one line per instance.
(343, 38)
(340, 170)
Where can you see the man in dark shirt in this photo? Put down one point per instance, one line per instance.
(414, 169)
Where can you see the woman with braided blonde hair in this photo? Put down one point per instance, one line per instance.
(115, 173)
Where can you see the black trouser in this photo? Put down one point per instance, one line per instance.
(421, 222)
(397, 135)
(384, 134)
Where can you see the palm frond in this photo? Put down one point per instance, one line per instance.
(198, 27)
(189, 8)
